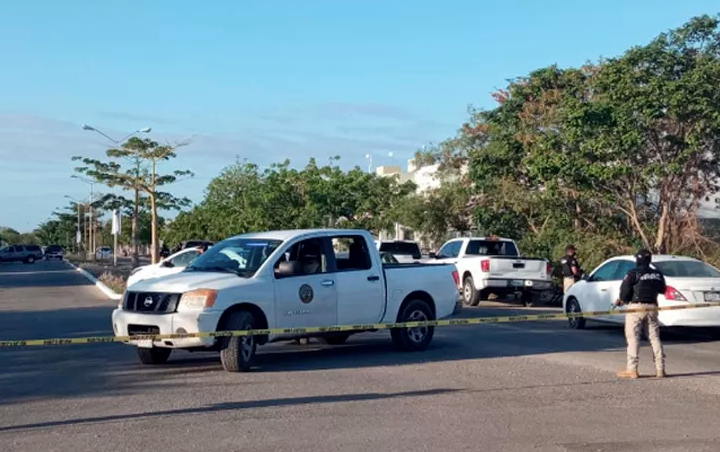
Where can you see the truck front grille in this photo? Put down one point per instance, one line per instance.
(151, 302)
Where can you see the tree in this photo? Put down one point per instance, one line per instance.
(245, 198)
(142, 157)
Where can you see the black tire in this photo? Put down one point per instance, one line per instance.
(471, 296)
(155, 355)
(414, 339)
(335, 339)
(30, 260)
(237, 353)
(577, 323)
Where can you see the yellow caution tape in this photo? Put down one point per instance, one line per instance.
(346, 328)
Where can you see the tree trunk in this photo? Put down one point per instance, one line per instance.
(154, 218)
(134, 230)
(636, 223)
(660, 239)
(154, 230)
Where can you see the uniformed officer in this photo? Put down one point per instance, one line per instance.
(570, 267)
(639, 290)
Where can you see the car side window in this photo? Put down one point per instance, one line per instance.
(450, 249)
(308, 255)
(351, 253)
(606, 272)
(622, 269)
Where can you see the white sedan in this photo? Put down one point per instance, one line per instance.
(175, 263)
(689, 281)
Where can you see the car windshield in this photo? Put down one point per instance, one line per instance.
(686, 269)
(53, 248)
(240, 256)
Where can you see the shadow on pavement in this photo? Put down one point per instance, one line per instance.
(31, 373)
(234, 406)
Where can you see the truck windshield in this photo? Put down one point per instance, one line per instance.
(242, 257)
(491, 248)
(401, 248)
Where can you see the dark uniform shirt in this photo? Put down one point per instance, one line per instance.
(568, 262)
(642, 285)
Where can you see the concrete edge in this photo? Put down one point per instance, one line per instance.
(111, 294)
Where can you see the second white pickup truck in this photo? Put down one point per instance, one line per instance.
(286, 280)
(494, 265)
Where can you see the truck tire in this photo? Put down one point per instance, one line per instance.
(155, 355)
(577, 323)
(414, 339)
(237, 353)
(335, 339)
(30, 260)
(471, 296)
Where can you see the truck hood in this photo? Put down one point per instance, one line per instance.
(185, 281)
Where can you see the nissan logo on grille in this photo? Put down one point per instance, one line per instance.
(148, 301)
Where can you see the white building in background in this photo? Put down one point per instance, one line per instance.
(424, 177)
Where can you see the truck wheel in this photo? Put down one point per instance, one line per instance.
(577, 323)
(414, 339)
(237, 353)
(335, 339)
(471, 296)
(155, 355)
(30, 260)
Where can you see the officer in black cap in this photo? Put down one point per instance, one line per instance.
(639, 290)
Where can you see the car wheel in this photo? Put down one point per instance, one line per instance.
(154, 355)
(573, 307)
(418, 338)
(335, 339)
(237, 353)
(471, 297)
(30, 259)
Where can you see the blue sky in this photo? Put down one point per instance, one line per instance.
(275, 79)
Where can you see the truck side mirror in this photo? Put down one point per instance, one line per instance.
(288, 268)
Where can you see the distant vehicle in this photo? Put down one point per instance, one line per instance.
(104, 252)
(54, 252)
(21, 253)
(688, 280)
(175, 263)
(493, 265)
(404, 251)
(193, 244)
(285, 279)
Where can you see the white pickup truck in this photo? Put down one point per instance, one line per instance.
(493, 265)
(284, 279)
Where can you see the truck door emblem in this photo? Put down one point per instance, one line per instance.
(305, 293)
(148, 302)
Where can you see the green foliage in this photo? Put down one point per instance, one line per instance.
(245, 198)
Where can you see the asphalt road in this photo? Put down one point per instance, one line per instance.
(505, 387)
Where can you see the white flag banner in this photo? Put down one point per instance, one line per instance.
(116, 222)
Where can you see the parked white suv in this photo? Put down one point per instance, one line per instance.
(287, 280)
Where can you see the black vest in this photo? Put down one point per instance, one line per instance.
(648, 285)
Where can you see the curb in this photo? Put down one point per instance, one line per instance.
(111, 294)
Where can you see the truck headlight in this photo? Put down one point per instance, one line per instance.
(200, 298)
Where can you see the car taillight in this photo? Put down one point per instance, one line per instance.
(548, 268)
(456, 277)
(485, 265)
(673, 294)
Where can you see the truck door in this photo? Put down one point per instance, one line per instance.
(360, 284)
(308, 298)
